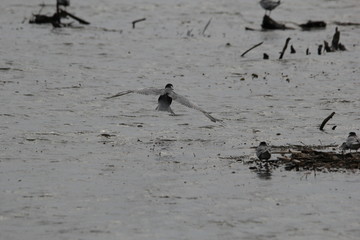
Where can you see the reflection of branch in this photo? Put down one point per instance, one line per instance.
(256, 45)
(326, 120)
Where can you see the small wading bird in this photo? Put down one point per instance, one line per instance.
(263, 151)
(269, 5)
(352, 142)
(167, 94)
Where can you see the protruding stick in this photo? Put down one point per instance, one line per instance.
(136, 21)
(206, 26)
(284, 49)
(326, 120)
(335, 40)
(82, 21)
(256, 45)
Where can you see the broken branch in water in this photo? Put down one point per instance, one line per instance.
(256, 45)
(250, 29)
(326, 120)
(284, 48)
(136, 21)
(82, 21)
(206, 26)
(347, 23)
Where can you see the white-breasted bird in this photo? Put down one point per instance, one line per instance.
(269, 5)
(352, 142)
(167, 94)
(263, 151)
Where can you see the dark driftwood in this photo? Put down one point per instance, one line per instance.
(336, 45)
(55, 19)
(313, 25)
(136, 21)
(284, 48)
(335, 40)
(256, 45)
(326, 120)
(269, 23)
(292, 50)
(327, 47)
(319, 49)
(347, 23)
(342, 47)
(43, 19)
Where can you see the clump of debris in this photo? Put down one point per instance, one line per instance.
(310, 159)
(303, 158)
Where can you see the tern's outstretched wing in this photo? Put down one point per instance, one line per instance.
(184, 101)
(144, 91)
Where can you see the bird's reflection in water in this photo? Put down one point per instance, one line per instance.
(264, 175)
(264, 171)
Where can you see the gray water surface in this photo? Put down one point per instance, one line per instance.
(158, 176)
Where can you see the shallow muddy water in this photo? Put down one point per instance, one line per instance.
(76, 166)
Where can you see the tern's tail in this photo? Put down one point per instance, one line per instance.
(211, 117)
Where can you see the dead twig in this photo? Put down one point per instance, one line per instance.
(206, 26)
(136, 21)
(256, 45)
(326, 120)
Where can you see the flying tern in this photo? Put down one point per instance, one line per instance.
(167, 94)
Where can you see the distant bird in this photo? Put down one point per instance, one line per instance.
(167, 94)
(352, 142)
(269, 5)
(263, 151)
